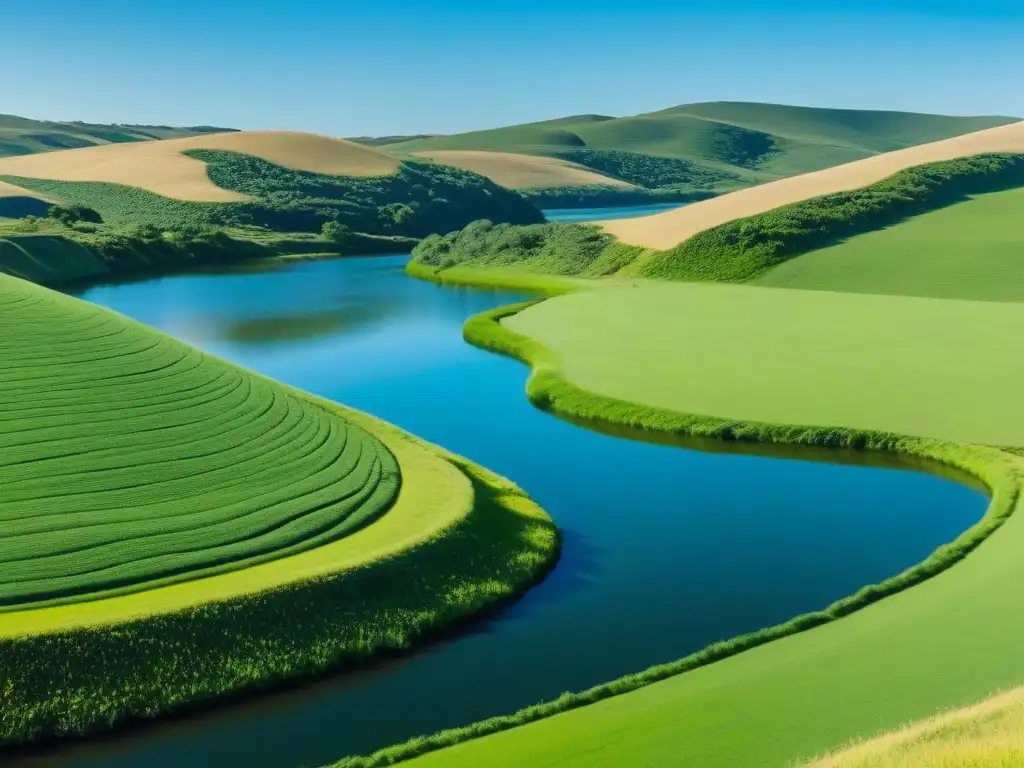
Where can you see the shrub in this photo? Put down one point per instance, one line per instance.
(69, 215)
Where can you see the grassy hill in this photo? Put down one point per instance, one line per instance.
(252, 184)
(22, 136)
(711, 147)
(178, 529)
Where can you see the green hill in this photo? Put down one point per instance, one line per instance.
(22, 136)
(728, 144)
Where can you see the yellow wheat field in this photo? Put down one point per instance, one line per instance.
(521, 171)
(664, 230)
(160, 166)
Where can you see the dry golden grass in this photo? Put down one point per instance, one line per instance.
(986, 735)
(521, 171)
(9, 190)
(159, 166)
(665, 230)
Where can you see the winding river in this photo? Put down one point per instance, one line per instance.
(666, 549)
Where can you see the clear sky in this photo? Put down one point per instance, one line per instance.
(357, 67)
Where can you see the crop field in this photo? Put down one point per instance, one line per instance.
(855, 370)
(986, 735)
(177, 528)
(522, 171)
(665, 230)
(162, 167)
(972, 250)
(130, 460)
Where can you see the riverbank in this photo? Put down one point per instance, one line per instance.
(707, 715)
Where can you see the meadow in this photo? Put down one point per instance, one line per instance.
(963, 251)
(171, 516)
(869, 662)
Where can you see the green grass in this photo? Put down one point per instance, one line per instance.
(139, 462)
(420, 199)
(22, 136)
(869, 663)
(131, 461)
(973, 250)
(736, 142)
(748, 248)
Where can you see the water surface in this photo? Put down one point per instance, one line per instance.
(666, 550)
(610, 212)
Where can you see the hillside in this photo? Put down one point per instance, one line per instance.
(22, 136)
(711, 147)
(259, 181)
(673, 227)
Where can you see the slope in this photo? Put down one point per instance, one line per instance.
(673, 227)
(22, 136)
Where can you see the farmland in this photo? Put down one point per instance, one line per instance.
(167, 508)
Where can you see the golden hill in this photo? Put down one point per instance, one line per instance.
(665, 230)
(521, 171)
(160, 166)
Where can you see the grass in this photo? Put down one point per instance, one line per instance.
(131, 461)
(968, 250)
(748, 248)
(737, 143)
(986, 735)
(869, 663)
(519, 171)
(162, 435)
(417, 200)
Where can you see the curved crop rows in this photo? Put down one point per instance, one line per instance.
(131, 460)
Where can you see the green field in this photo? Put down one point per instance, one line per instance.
(177, 528)
(716, 145)
(928, 367)
(970, 250)
(22, 136)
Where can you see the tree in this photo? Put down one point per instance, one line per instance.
(69, 215)
(337, 233)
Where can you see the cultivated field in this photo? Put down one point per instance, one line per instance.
(929, 367)
(986, 735)
(177, 528)
(971, 250)
(518, 171)
(9, 190)
(665, 230)
(161, 168)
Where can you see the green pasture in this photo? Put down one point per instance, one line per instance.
(178, 529)
(755, 361)
(972, 250)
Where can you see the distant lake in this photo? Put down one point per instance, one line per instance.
(613, 212)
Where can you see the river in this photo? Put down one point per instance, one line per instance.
(666, 549)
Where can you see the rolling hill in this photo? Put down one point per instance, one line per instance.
(22, 136)
(711, 147)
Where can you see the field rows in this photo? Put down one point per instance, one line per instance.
(131, 460)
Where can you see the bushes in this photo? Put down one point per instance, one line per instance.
(69, 215)
(651, 171)
(598, 195)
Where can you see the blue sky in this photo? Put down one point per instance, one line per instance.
(399, 66)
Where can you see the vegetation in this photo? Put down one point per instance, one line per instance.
(21, 136)
(986, 735)
(420, 199)
(739, 250)
(763, 706)
(577, 250)
(651, 171)
(597, 196)
(738, 143)
(971, 250)
(470, 539)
